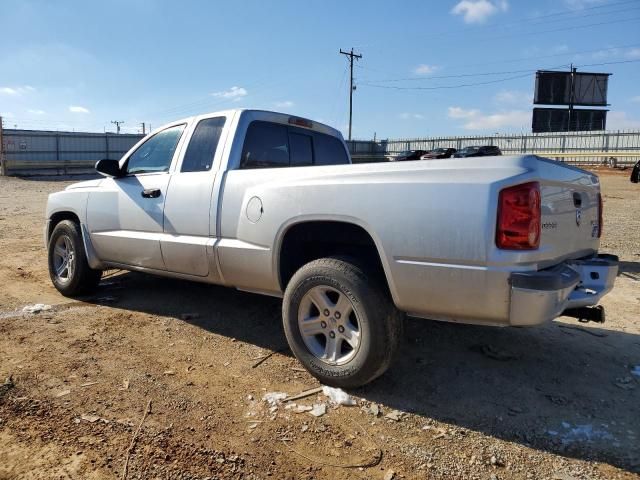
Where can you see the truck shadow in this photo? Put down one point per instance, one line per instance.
(630, 270)
(562, 388)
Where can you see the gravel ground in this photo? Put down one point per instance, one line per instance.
(555, 402)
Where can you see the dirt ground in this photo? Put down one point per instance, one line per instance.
(560, 401)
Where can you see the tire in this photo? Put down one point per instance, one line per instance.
(365, 339)
(77, 278)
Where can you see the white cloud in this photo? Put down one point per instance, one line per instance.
(513, 97)
(633, 53)
(620, 121)
(424, 69)
(234, 93)
(411, 116)
(458, 112)
(476, 120)
(477, 11)
(36, 112)
(636, 98)
(16, 90)
(284, 104)
(78, 109)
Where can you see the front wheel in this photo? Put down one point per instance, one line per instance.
(340, 323)
(68, 267)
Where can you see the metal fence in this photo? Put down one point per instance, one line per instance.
(35, 152)
(623, 145)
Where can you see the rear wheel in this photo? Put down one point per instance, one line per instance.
(340, 322)
(68, 267)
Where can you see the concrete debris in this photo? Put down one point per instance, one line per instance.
(168, 372)
(302, 408)
(318, 410)
(87, 417)
(63, 393)
(389, 475)
(374, 409)
(338, 396)
(394, 415)
(273, 398)
(37, 308)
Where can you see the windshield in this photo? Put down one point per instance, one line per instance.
(406, 153)
(438, 150)
(469, 149)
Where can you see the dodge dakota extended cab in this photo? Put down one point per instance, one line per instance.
(270, 203)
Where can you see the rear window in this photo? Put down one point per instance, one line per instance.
(329, 150)
(301, 148)
(273, 145)
(265, 146)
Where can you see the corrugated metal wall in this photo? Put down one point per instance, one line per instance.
(618, 142)
(35, 152)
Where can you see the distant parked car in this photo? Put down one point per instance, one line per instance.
(476, 151)
(407, 155)
(438, 153)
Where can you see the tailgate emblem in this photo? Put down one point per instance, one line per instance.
(578, 216)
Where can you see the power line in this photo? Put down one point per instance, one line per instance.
(529, 72)
(524, 20)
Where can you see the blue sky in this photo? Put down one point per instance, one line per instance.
(80, 64)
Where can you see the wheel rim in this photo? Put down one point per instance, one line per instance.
(63, 259)
(329, 325)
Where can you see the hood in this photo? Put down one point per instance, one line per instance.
(85, 184)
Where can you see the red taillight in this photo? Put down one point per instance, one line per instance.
(599, 215)
(518, 225)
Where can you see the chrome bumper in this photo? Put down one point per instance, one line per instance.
(537, 297)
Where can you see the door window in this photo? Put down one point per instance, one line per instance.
(155, 154)
(202, 146)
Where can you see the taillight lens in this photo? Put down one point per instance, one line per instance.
(518, 226)
(599, 215)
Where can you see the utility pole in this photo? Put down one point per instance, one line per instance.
(351, 56)
(117, 124)
(144, 132)
(572, 96)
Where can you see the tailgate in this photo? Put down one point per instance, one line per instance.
(570, 211)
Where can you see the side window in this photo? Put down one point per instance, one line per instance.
(156, 153)
(301, 150)
(265, 146)
(202, 146)
(329, 150)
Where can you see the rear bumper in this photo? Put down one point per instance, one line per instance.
(537, 297)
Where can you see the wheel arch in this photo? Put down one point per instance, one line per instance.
(351, 233)
(58, 216)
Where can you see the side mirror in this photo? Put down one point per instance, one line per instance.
(108, 168)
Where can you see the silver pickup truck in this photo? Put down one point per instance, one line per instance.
(270, 203)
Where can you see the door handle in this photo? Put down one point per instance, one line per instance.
(151, 193)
